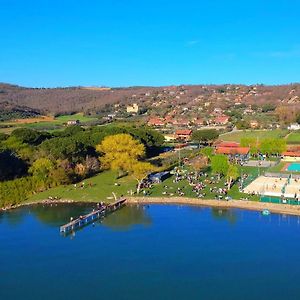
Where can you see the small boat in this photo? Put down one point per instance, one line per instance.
(266, 212)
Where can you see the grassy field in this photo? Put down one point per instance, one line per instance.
(46, 123)
(158, 189)
(236, 136)
(293, 138)
(97, 188)
(100, 188)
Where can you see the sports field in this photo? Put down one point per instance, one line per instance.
(236, 136)
(293, 138)
(274, 186)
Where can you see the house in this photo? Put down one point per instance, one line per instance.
(156, 122)
(241, 151)
(232, 148)
(133, 109)
(221, 120)
(183, 134)
(170, 137)
(159, 177)
(291, 154)
(228, 144)
(198, 122)
(181, 122)
(294, 126)
(73, 122)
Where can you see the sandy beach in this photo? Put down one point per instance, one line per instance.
(242, 204)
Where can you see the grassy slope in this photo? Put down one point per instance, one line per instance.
(260, 134)
(103, 185)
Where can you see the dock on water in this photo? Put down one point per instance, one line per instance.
(91, 217)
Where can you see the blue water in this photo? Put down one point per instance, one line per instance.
(155, 252)
(294, 167)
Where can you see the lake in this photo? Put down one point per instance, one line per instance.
(149, 252)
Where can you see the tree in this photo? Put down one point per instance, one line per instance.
(92, 165)
(298, 118)
(232, 174)
(30, 136)
(140, 170)
(205, 135)
(252, 143)
(219, 165)
(207, 151)
(273, 146)
(242, 124)
(268, 107)
(286, 114)
(120, 151)
(199, 163)
(41, 167)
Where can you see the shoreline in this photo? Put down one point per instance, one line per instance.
(285, 209)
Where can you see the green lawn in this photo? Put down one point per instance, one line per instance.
(236, 136)
(102, 187)
(158, 189)
(82, 118)
(293, 138)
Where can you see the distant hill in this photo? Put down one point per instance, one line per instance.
(89, 99)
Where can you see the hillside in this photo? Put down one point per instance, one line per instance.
(92, 99)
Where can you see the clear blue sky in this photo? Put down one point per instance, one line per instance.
(158, 42)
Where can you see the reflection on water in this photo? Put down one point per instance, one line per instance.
(224, 214)
(57, 214)
(127, 217)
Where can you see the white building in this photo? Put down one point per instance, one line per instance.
(294, 126)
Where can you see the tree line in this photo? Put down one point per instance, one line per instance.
(33, 161)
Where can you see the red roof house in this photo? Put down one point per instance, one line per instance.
(233, 151)
(183, 134)
(229, 144)
(156, 122)
(221, 120)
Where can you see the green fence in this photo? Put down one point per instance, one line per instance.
(278, 200)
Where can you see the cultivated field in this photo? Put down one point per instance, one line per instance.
(44, 122)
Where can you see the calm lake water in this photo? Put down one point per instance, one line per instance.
(155, 252)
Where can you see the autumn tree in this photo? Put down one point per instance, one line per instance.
(199, 163)
(123, 153)
(120, 152)
(41, 167)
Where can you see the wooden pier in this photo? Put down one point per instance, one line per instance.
(91, 217)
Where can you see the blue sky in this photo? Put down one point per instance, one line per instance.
(129, 42)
